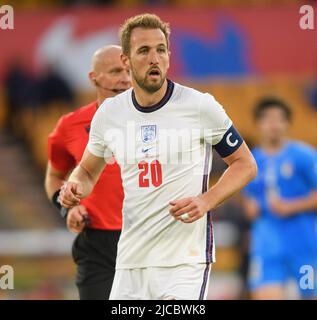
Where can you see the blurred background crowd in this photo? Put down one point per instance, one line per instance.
(239, 51)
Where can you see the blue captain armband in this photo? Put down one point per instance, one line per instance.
(230, 142)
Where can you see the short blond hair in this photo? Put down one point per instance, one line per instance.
(145, 21)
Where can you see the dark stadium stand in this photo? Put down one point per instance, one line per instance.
(23, 201)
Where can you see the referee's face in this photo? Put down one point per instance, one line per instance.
(149, 58)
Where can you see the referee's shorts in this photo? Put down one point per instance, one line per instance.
(94, 252)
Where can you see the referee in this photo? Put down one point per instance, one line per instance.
(97, 219)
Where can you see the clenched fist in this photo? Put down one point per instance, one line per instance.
(70, 194)
(188, 210)
(77, 218)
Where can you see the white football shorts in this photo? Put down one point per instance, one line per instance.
(183, 282)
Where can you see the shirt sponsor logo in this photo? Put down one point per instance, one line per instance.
(145, 150)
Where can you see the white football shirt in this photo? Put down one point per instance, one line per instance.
(164, 152)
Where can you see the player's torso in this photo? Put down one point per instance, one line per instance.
(158, 150)
(162, 158)
(281, 175)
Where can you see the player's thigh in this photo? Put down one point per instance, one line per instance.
(268, 292)
(267, 276)
(184, 282)
(130, 284)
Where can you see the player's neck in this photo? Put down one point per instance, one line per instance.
(146, 99)
(273, 146)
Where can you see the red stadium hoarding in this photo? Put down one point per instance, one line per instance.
(206, 43)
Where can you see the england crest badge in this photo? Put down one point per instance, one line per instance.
(148, 133)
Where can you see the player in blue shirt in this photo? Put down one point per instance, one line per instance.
(282, 202)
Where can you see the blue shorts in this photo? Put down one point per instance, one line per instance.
(274, 261)
(265, 270)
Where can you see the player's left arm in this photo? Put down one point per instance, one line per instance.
(294, 206)
(230, 146)
(241, 170)
(308, 168)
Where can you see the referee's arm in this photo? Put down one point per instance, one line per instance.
(77, 218)
(54, 180)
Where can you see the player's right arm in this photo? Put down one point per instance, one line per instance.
(82, 180)
(250, 203)
(60, 160)
(84, 177)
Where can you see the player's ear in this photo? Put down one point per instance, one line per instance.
(125, 60)
(92, 76)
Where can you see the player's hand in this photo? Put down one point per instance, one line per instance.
(188, 210)
(77, 218)
(70, 194)
(251, 208)
(281, 207)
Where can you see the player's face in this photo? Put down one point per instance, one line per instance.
(273, 124)
(149, 58)
(114, 75)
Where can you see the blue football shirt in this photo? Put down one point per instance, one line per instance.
(291, 173)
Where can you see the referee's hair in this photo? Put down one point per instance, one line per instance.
(269, 103)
